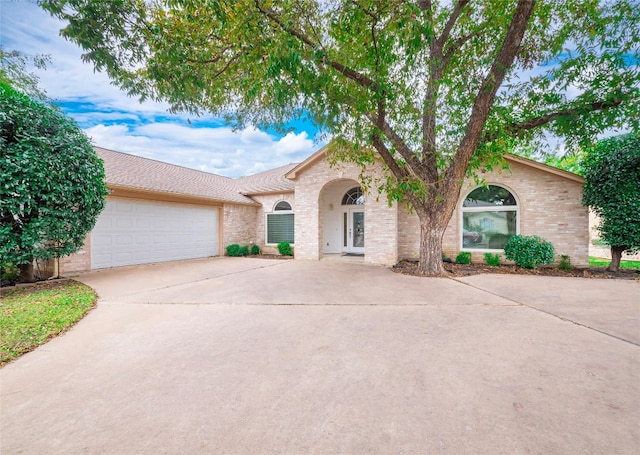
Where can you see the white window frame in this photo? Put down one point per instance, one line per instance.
(494, 208)
(275, 212)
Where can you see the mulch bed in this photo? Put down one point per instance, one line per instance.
(35, 286)
(462, 270)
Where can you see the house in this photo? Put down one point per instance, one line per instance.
(158, 212)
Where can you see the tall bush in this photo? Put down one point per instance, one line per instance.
(52, 182)
(612, 191)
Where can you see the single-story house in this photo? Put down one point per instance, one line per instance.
(158, 212)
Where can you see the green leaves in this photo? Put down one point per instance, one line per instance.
(529, 251)
(612, 189)
(52, 182)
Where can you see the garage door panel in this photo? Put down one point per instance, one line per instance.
(137, 232)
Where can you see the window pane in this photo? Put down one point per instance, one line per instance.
(280, 228)
(282, 205)
(491, 196)
(488, 230)
(353, 197)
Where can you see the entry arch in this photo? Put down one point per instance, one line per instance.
(339, 199)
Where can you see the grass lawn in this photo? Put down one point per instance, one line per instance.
(597, 262)
(32, 315)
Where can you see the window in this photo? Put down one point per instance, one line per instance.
(282, 206)
(280, 223)
(489, 218)
(353, 197)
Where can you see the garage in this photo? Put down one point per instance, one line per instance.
(130, 232)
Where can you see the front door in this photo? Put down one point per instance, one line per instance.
(354, 230)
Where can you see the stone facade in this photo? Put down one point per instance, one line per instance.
(79, 261)
(268, 202)
(319, 223)
(549, 205)
(239, 224)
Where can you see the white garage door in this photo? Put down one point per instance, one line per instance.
(135, 232)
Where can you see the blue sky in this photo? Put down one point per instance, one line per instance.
(115, 121)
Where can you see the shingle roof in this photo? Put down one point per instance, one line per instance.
(136, 172)
(268, 181)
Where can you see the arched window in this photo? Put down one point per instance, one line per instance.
(353, 197)
(280, 224)
(282, 206)
(489, 218)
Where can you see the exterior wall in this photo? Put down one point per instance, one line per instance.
(381, 231)
(239, 224)
(549, 206)
(77, 262)
(268, 201)
(318, 189)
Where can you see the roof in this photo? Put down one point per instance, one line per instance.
(544, 167)
(293, 173)
(272, 181)
(134, 172)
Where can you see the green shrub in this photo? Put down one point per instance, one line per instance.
(255, 250)
(9, 273)
(463, 258)
(492, 259)
(284, 248)
(565, 262)
(244, 250)
(233, 250)
(528, 251)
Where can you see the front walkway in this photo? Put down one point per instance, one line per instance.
(254, 356)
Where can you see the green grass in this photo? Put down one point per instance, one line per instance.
(597, 262)
(31, 316)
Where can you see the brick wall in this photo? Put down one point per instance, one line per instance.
(319, 190)
(268, 201)
(549, 206)
(79, 261)
(239, 224)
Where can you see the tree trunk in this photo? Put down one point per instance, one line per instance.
(27, 274)
(616, 255)
(431, 233)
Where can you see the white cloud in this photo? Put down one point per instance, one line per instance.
(293, 143)
(116, 121)
(217, 150)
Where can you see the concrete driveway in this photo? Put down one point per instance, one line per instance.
(250, 356)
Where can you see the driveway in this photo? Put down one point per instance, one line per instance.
(250, 356)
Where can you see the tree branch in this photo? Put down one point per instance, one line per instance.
(436, 68)
(486, 95)
(541, 120)
(446, 31)
(350, 73)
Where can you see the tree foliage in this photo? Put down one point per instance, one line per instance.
(14, 71)
(435, 90)
(612, 191)
(52, 185)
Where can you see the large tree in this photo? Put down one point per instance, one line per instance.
(52, 185)
(612, 190)
(435, 90)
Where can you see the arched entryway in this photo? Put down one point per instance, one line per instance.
(343, 218)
